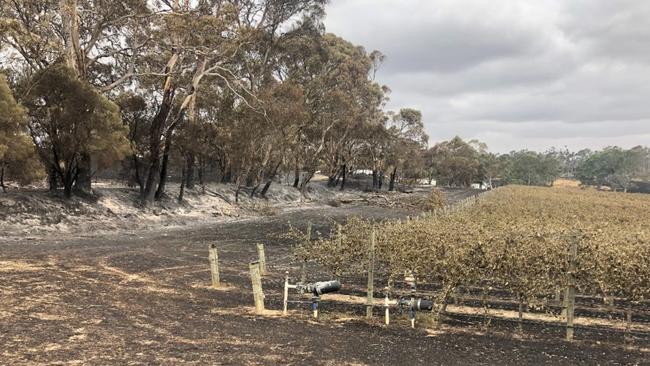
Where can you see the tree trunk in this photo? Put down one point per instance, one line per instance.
(270, 180)
(152, 178)
(227, 176)
(189, 171)
(239, 179)
(53, 178)
(200, 173)
(156, 130)
(68, 182)
(305, 182)
(84, 174)
(393, 176)
(381, 180)
(375, 180)
(332, 181)
(137, 175)
(344, 170)
(67, 190)
(250, 180)
(181, 192)
(296, 176)
(2, 179)
(254, 190)
(164, 167)
(266, 187)
(74, 56)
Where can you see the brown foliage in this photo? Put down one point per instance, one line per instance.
(516, 239)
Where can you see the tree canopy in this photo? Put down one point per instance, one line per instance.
(18, 160)
(252, 90)
(69, 120)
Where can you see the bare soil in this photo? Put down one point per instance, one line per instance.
(143, 297)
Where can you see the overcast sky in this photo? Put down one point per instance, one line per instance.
(512, 73)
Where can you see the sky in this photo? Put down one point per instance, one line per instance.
(515, 74)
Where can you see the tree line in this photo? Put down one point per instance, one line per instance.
(462, 163)
(255, 88)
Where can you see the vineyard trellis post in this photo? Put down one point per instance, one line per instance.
(387, 308)
(214, 266)
(520, 312)
(371, 274)
(303, 268)
(262, 259)
(628, 321)
(486, 307)
(285, 304)
(303, 271)
(571, 289)
(256, 280)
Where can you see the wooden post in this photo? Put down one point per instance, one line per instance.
(262, 259)
(628, 322)
(387, 310)
(565, 303)
(256, 280)
(521, 312)
(285, 304)
(456, 295)
(308, 231)
(571, 289)
(412, 310)
(214, 266)
(303, 268)
(339, 234)
(314, 303)
(303, 272)
(486, 309)
(371, 275)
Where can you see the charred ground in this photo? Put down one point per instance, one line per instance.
(144, 298)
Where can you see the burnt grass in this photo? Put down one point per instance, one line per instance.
(144, 298)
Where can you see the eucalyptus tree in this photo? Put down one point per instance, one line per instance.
(136, 116)
(455, 162)
(408, 139)
(285, 110)
(340, 100)
(491, 168)
(18, 160)
(212, 41)
(614, 167)
(70, 119)
(532, 168)
(91, 37)
(375, 150)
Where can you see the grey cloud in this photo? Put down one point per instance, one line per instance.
(610, 29)
(450, 47)
(524, 74)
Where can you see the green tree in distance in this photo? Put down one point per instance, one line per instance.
(69, 119)
(18, 160)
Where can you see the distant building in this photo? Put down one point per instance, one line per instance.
(481, 185)
(362, 171)
(426, 182)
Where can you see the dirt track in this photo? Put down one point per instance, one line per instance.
(144, 299)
